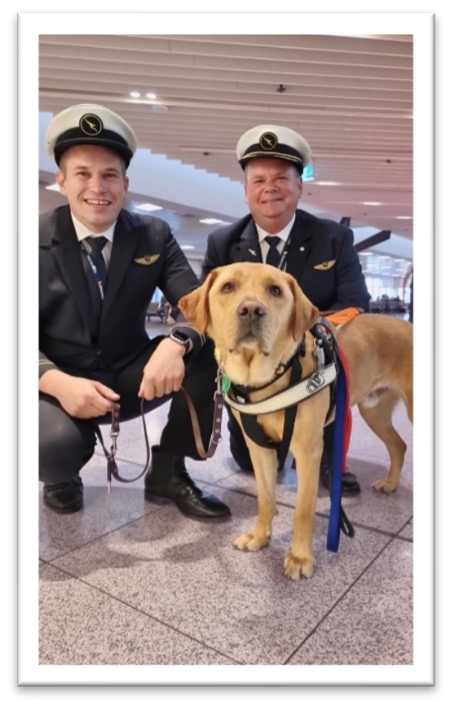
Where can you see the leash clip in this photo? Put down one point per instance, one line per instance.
(318, 355)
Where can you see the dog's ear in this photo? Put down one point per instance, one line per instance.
(304, 313)
(195, 305)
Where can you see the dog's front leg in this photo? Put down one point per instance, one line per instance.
(265, 471)
(299, 560)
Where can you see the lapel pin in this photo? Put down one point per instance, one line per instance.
(302, 248)
(252, 252)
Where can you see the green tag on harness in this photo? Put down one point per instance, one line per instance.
(225, 384)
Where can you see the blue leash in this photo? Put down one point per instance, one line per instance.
(337, 519)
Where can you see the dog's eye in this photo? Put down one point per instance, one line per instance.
(275, 290)
(227, 287)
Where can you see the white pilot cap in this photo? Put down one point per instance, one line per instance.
(274, 141)
(90, 124)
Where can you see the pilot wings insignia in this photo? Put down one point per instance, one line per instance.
(147, 260)
(325, 265)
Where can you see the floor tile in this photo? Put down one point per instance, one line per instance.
(81, 625)
(373, 623)
(188, 575)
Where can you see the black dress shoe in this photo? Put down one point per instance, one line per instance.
(349, 483)
(168, 479)
(65, 498)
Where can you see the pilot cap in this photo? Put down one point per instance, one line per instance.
(274, 141)
(89, 124)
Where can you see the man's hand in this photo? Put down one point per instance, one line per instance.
(164, 371)
(80, 398)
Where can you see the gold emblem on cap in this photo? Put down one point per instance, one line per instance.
(147, 260)
(91, 124)
(268, 141)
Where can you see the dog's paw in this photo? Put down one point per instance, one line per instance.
(385, 486)
(251, 542)
(295, 567)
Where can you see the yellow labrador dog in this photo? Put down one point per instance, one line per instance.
(258, 318)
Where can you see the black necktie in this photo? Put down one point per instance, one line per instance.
(273, 254)
(97, 243)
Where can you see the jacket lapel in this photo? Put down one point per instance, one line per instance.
(247, 246)
(299, 245)
(123, 249)
(68, 255)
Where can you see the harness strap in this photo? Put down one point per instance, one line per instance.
(255, 432)
(290, 396)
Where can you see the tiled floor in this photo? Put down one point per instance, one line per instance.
(129, 582)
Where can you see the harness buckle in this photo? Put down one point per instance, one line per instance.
(315, 381)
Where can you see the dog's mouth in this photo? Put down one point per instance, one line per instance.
(250, 336)
(248, 343)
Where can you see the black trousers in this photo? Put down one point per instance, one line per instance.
(241, 455)
(66, 443)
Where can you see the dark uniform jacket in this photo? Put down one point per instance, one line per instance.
(321, 257)
(144, 256)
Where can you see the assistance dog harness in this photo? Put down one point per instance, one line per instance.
(328, 371)
(324, 374)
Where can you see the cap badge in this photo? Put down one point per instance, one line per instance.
(268, 141)
(91, 124)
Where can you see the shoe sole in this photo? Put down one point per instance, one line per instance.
(161, 501)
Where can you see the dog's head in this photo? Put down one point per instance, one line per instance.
(254, 313)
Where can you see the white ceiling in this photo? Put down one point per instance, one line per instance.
(351, 97)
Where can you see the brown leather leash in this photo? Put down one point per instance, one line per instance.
(112, 469)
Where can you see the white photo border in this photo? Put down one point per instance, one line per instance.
(420, 25)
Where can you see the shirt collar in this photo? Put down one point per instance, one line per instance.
(282, 234)
(82, 231)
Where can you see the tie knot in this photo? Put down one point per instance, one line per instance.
(96, 243)
(273, 241)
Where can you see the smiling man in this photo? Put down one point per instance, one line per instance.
(99, 267)
(319, 253)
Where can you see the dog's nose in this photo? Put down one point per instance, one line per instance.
(251, 309)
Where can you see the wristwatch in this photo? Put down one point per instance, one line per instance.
(181, 338)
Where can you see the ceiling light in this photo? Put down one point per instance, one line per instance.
(372, 203)
(53, 187)
(211, 221)
(187, 247)
(404, 217)
(148, 207)
(151, 95)
(328, 184)
(135, 94)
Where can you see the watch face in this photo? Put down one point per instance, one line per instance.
(181, 338)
